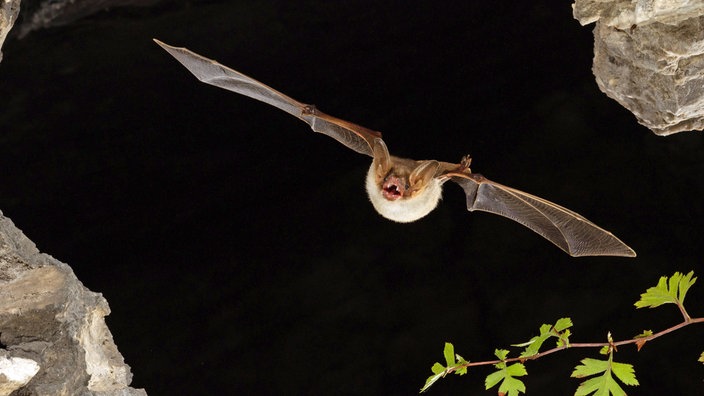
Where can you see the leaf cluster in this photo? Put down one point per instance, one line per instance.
(454, 364)
(603, 383)
(506, 374)
(602, 377)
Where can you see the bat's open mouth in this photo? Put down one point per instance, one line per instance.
(393, 188)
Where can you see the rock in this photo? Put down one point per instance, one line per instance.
(15, 372)
(8, 15)
(622, 14)
(47, 317)
(649, 57)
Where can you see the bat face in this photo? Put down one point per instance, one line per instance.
(403, 209)
(401, 189)
(405, 190)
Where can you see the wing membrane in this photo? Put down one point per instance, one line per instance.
(568, 230)
(353, 136)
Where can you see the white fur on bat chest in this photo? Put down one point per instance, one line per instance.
(404, 210)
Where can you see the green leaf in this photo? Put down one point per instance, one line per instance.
(667, 291)
(461, 362)
(439, 371)
(655, 296)
(516, 370)
(512, 387)
(438, 368)
(453, 366)
(625, 373)
(592, 385)
(604, 384)
(600, 386)
(509, 384)
(563, 323)
(494, 378)
(589, 367)
(534, 344)
(522, 344)
(430, 381)
(559, 329)
(684, 284)
(449, 353)
(701, 358)
(501, 353)
(645, 333)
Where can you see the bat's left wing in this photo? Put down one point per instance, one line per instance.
(568, 230)
(356, 137)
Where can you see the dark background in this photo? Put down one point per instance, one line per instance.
(237, 248)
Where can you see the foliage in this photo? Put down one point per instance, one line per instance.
(605, 383)
(455, 364)
(604, 374)
(510, 385)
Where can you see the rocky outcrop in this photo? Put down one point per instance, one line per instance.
(649, 57)
(8, 15)
(52, 329)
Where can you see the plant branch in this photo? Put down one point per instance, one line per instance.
(684, 312)
(639, 341)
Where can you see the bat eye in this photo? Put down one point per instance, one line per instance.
(407, 186)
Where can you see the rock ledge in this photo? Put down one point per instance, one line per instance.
(52, 329)
(649, 57)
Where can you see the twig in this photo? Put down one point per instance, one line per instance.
(638, 340)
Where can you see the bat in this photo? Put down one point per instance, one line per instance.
(405, 190)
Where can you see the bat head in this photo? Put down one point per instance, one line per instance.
(405, 192)
(400, 189)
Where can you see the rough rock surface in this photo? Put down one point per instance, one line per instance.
(15, 372)
(622, 14)
(649, 57)
(47, 317)
(8, 15)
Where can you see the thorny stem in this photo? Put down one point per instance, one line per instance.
(640, 340)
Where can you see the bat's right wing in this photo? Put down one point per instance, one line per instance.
(357, 138)
(568, 230)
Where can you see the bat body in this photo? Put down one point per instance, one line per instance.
(405, 190)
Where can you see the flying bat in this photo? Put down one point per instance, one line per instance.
(405, 190)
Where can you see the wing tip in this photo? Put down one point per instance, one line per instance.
(191, 61)
(161, 43)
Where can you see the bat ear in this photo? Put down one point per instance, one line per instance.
(423, 174)
(382, 159)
